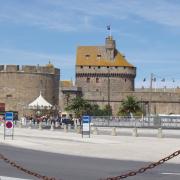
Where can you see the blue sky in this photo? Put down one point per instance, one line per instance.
(147, 32)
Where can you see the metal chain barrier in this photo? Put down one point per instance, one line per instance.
(37, 175)
(122, 176)
(142, 170)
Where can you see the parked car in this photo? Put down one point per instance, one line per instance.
(67, 121)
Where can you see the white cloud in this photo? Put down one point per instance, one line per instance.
(16, 56)
(76, 15)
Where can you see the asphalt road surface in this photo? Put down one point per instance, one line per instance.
(65, 167)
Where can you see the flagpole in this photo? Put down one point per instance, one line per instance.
(155, 86)
(109, 29)
(150, 98)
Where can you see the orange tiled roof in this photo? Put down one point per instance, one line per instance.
(92, 60)
(66, 83)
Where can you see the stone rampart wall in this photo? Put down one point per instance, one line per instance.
(20, 85)
(154, 102)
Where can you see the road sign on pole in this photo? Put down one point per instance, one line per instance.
(86, 125)
(9, 116)
(8, 125)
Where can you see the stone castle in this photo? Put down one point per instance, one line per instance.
(20, 85)
(103, 76)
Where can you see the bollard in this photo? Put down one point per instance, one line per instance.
(75, 126)
(30, 125)
(65, 128)
(95, 131)
(91, 129)
(113, 133)
(52, 127)
(62, 125)
(160, 135)
(78, 130)
(56, 124)
(20, 125)
(69, 126)
(40, 125)
(135, 133)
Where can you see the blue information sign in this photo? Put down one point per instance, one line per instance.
(86, 119)
(86, 125)
(9, 116)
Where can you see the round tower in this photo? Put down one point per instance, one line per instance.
(20, 85)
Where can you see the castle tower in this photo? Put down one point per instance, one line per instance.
(110, 46)
(20, 85)
(102, 72)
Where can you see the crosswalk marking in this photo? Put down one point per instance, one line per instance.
(173, 173)
(11, 178)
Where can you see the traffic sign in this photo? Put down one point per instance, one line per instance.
(86, 119)
(86, 125)
(9, 116)
(9, 124)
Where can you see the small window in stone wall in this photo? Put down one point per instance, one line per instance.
(88, 80)
(107, 66)
(99, 67)
(116, 67)
(89, 67)
(9, 95)
(97, 80)
(125, 80)
(97, 90)
(81, 67)
(124, 67)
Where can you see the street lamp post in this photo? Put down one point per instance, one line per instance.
(150, 98)
(108, 95)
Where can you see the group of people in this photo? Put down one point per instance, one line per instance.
(47, 119)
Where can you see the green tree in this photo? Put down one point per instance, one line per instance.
(107, 110)
(97, 111)
(79, 106)
(82, 107)
(129, 105)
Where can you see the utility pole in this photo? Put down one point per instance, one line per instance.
(108, 95)
(150, 97)
(108, 89)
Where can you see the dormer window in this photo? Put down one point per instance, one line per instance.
(87, 56)
(98, 56)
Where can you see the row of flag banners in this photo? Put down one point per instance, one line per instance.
(154, 79)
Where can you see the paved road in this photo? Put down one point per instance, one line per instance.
(67, 167)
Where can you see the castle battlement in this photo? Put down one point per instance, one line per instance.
(29, 69)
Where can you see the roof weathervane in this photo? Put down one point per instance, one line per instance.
(109, 29)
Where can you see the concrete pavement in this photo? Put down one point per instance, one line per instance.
(101, 146)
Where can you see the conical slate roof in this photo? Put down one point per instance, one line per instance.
(40, 103)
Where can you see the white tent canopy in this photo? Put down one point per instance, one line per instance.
(40, 103)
